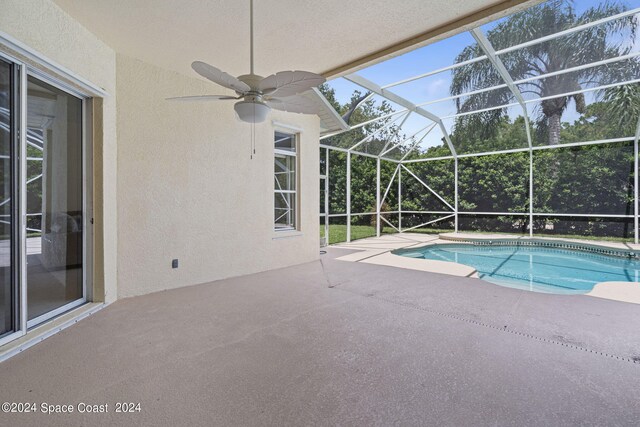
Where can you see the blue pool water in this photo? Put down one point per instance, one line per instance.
(540, 269)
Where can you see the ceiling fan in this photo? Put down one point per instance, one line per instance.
(258, 94)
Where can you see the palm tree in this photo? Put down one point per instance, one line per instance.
(606, 40)
(624, 104)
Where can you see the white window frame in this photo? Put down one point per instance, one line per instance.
(279, 192)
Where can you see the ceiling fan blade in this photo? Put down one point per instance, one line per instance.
(293, 104)
(202, 98)
(220, 77)
(288, 83)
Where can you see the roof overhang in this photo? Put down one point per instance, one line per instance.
(328, 36)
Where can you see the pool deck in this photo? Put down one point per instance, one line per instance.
(340, 343)
(377, 250)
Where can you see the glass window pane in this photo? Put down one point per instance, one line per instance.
(6, 203)
(54, 198)
(285, 181)
(285, 172)
(285, 211)
(285, 142)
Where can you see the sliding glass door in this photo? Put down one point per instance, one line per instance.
(42, 200)
(54, 226)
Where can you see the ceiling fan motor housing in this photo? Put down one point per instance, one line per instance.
(252, 80)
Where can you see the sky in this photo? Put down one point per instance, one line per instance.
(433, 57)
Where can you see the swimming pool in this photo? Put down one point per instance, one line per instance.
(535, 268)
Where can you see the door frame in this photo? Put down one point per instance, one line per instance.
(19, 250)
(17, 290)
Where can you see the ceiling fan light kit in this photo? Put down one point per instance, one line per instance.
(258, 95)
(252, 111)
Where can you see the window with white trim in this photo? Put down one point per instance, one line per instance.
(285, 181)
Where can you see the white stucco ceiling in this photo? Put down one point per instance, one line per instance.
(290, 34)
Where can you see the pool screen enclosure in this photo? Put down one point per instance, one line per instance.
(527, 125)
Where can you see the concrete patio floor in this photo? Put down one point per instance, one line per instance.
(334, 342)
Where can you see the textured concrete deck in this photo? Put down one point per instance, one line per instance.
(335, 342)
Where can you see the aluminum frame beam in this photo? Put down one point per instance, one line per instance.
(379, 130)
(359, 125)
(424, 184)
(495, 60)
(520, 150)
(415, 145)
(385, 93)
(382, 152)
(636, 191)
(543, 98)
(413, 135)
(486, 47)
(494, 57)
(519, 46)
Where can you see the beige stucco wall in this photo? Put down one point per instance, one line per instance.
(188, 189)
(172, 180)
(45, 28)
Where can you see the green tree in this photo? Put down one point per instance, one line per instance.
(623, 106)
(582, 47)
(363, 168)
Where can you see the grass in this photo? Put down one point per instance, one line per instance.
(338, 233)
